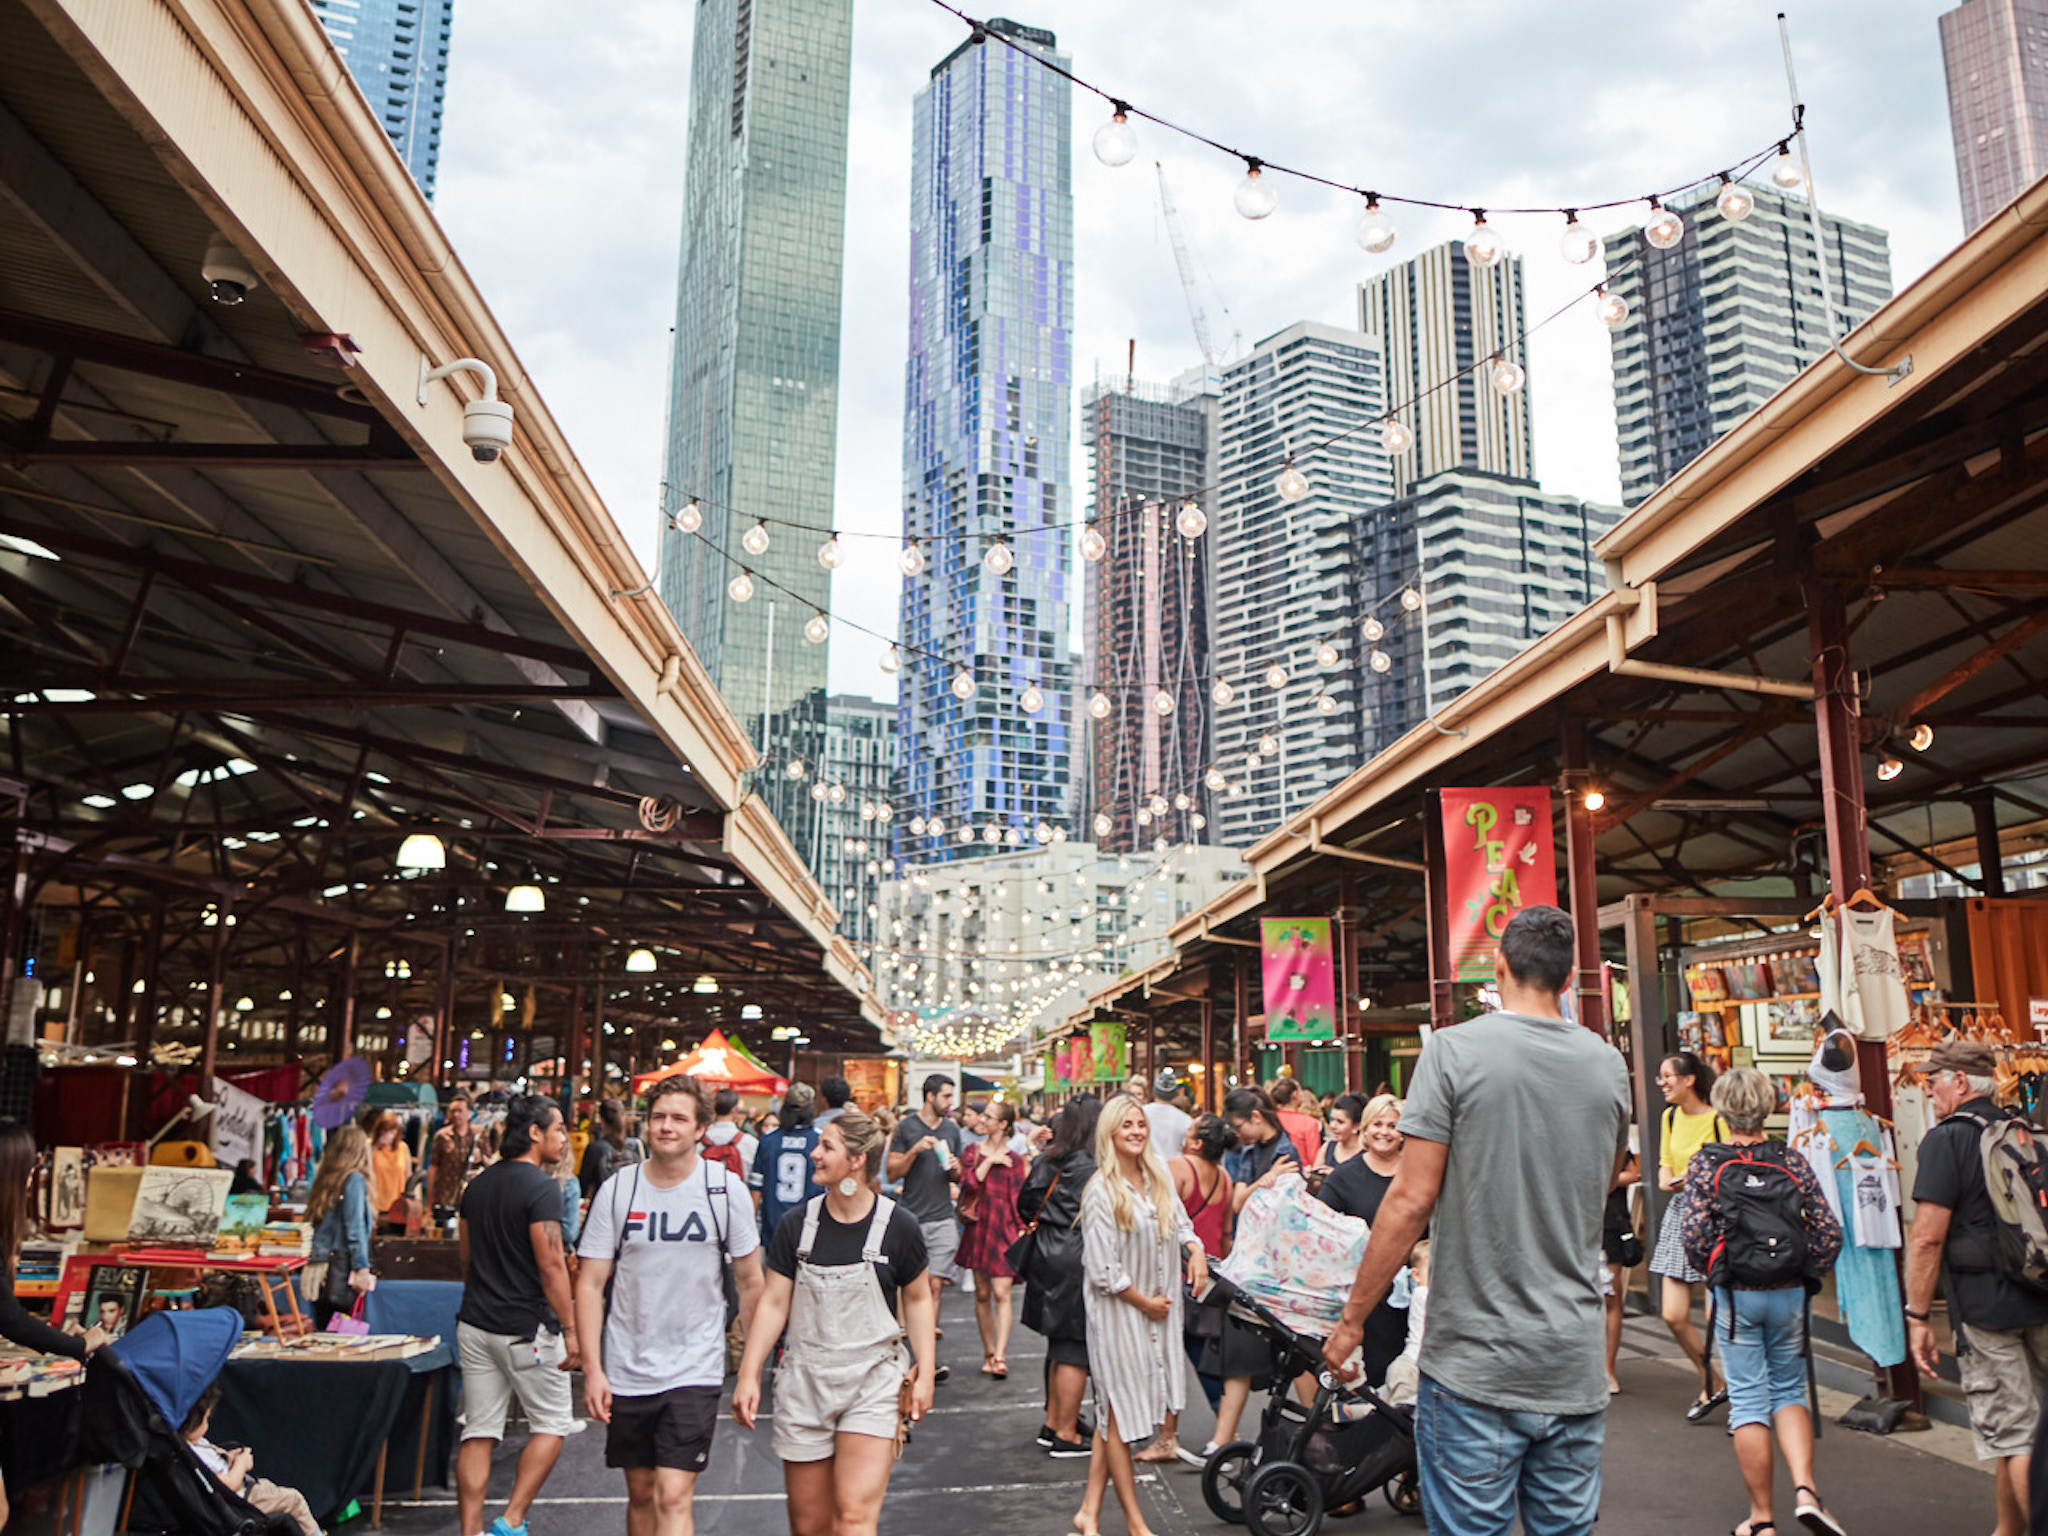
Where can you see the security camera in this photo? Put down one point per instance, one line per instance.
(486, 423)
(228, 275)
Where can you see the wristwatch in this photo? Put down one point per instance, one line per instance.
(1918, 1317)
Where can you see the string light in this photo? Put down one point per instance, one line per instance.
(1612, 309)
(830, 555)
(1099, 705)
(1326, 655)
(1380, 661)
(891, 660)
(1786, 175)
(1192, 521)
(1214, 779)
(1325, 704)
(963, 684)
(911, 560)
(1162, 703)
(1578, 245)
(1410, 599)
(1103, 825)
(691, 518)
(1221, 691)
(1269, 745)
(1256, 197)
(1664, 228)
(1031, 701)
(741, 588)
(1482, 241)
(999, 559)
(1115, 143)
(1507, 376)
(1396, 437)
(755, 540)
(1375, 230)
(796, 768)
(1372, 629)
(817, 629)
(1736, 202)
(1290, 484)
(1276, 677)
(1093, 545)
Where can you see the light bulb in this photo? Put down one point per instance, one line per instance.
(1144, 817)
(1093, 545)
(691, 518)
(1396, 437)
(1325, 705)
(1192, 521)
(1042, 832)
(965, 834)
(755, 540)
(1736, 201)
(1593, 799)
(1276, 677)
(830, 554)
(963, 684)
(1375, 229)
(911, 559)
(1031, 701)
(1921, 737)
(1889, 767)
(891, 660)
(836, 794)
(1785, 172)
(1162, 703)
(1507, 376)
(1214, 778)
(1380, 661)
(1198, 821)
(796, 768)
(1372, 629)
(1103, 825)
(1181, 802)
(1256, 197)
(1326, 655)
(936, 826)
(1222, 692)
(1578, 244)
(999, 559)
(820, 790)
(1269, 745)
(817, 629)
(1099, 705)
(741, 587)
(1664, 229)
(1482, 243)
(1115, 142)
(1612, 310)
(1410, 599)
(1291, 484)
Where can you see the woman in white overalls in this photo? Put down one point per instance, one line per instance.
(837, 1267)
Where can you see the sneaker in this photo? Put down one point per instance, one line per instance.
(1044, 1438)
(1066, 1450)
(1198, 1458)
(499, 1527)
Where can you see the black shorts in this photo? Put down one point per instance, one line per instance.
(663, 1429)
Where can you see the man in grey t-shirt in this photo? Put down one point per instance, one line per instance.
(925, 1156)
(1516, 1125)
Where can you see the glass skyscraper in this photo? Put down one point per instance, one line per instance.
(987, 405)
(398, 52)
(754, 385)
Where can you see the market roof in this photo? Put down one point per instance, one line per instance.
(1918, 500)
(264, 613)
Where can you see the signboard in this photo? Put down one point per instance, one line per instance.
(1498, 859)
(237, 1129)
(2037, 1015)
(1299, 970)
(1106, 1047)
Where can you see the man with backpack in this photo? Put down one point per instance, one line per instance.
(1978, 1225)
(726, 1140)
(1759, 1227)
(669, 1252)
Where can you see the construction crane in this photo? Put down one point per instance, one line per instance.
(1185, 261)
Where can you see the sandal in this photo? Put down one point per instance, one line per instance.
(1165, 1448)
(988, 1365)
(999, 1368)
(1705, 1404)
(1809, 1512)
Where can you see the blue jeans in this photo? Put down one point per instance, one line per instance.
(1479, 1464)
(1761, 1339)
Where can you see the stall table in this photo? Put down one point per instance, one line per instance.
(274, 1278)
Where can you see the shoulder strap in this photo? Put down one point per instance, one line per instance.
(878, 1228)
(724, 1193)
(618, 1222)
(803, 1247)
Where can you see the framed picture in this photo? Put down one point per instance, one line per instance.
(1787, 1027)
(1715, 1032)
(1741, 1056)
(67, 1188)
(179, 1206)
(113, 1297)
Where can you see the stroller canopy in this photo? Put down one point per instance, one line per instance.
(174, 1356)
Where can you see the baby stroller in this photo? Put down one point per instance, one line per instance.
(1306, 1460)
(137, 1393)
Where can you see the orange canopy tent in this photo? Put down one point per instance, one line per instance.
(721, 1062)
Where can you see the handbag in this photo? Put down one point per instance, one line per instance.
(1023, 1250)
(352, 1320)
(903, 1413)
(968, 1207)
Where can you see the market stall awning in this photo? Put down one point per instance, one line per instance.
(721, 1062)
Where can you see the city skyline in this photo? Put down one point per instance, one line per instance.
(397, 52)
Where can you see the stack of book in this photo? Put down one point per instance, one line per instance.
(285, 1240)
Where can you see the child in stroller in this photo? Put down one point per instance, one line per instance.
(1315, 1457)
(235, 1468)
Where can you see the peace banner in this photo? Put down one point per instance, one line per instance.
(1498, 859)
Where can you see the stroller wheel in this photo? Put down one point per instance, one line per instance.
(1224, 1476)
(1283, 1498)
(1404, 1494)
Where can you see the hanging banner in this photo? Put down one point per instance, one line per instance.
(1498, 859)
(237, 1129)
(1299, 969)
(1106, 1046)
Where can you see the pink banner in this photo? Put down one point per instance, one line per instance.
(1300, 974)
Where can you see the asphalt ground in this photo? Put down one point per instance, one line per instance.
(972, 1467)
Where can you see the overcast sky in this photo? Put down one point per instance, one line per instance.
(562, 170)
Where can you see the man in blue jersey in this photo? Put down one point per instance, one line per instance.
(782, 1171)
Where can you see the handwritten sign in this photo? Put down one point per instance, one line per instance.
(1498, 859)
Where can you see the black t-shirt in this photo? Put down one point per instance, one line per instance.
(1353, 1189)
(903, 1255)
(927, 1184)
(502, 1291)
(1952, 1175)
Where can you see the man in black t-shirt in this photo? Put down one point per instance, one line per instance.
(516, 1331)
(2001, 1325)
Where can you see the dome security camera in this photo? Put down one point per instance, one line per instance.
(227, 274)
(486, 422)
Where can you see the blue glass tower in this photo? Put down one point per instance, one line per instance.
(987, 400)
(398, 52)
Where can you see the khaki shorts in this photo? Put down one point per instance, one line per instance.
(496, 1368)
(815, 1401)
(2004, 1374)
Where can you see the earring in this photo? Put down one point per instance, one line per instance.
(849, 1186)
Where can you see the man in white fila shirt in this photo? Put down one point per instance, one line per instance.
(664, 1233)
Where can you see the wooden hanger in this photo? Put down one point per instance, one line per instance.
(1864, 893)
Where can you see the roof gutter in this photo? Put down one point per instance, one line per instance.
(1629, 628)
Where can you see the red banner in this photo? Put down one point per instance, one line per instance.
(1498, 859)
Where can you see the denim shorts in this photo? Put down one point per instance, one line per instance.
(1761, 1339)
(1481, 1466)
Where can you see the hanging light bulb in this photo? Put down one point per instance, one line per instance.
(1221, 691)
(1290, 484)
(1507, 376)
(1326, 655)
(1042, 833)
(1396, 436)
(1191, 521)
(1256, 196)
(999, 559)
(1115, 142)
(1214, 778)
(891, 660)
(830, 555)
(1375, 229)
(755, 540)
(963, 684)
(965, 834)
(1198, 821)
(1663, 229)
(1269, 745)
(1093, 545)
(1162, 703)
(796, 768)
(421, 850)
(817, 629)
(1380, 661)
(1372, 629)
(1181, 802)
(1482, 241)
(1410, 599)
(1785, 172)
(936, 826)
(1736, 202)
(1578, 245)
(1144, 817)
(1325, 704)
(1889, 767)
(691, 518)
(1921, 737)
(910, 559)
(1099, 705)
(741, 588)
(1612, 309)
(1031, 701)
(1276, 677)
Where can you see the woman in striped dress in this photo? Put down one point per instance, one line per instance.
(1134, 1231)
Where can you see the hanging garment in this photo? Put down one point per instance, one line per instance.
(1866, 1279)
(1834, 1005)
(1878, 1005)
(1874, 1181)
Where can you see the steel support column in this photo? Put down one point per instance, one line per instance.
(343, 1039)
(147, 1002)
(1240, 1019)
(1990, 859)
(1206, 1096)
(295, 1012)
(1437, 910)
(1588, 997)
(1348, 1024)
(1649, 1044)
(444, 1016)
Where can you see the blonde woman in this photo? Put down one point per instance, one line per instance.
(1134, 1231)
(338, 1206)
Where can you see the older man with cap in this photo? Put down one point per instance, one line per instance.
(2001, 1325)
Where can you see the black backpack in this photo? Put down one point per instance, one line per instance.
(1763, 1225)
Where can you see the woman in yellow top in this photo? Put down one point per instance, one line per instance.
(390, 1163)
(1688, 1124)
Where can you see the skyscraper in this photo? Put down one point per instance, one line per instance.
(1723, 320)
(850, 795)
(398, 52)
(754, 381)
(1455, 578)
(1995, 53)
(1282, 581)
(1145, 624)
(1436, 316)
(987, 409)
